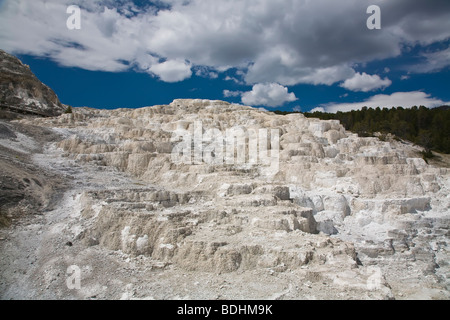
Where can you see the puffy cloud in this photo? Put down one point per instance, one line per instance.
(365, 83)
(39, 28)
(288, 42)
(397, 99)
(172, 70)
(318, 109)
(269, 95)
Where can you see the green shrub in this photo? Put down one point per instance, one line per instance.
(4, 220)
(68, 110)
(427, 154)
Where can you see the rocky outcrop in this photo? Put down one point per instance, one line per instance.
(21, 90)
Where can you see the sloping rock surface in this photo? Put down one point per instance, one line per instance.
(22, 91)
(337, 216)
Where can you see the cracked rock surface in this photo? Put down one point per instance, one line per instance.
(343, 217)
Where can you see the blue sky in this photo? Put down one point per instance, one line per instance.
(285, 55)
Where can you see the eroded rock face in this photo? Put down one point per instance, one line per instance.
(21, 89)
(337, 203)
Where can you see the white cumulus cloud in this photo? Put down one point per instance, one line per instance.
(318, 109)
(268, 94)
(172, 70)
(287, 42)
(365, 82)
(397, 99)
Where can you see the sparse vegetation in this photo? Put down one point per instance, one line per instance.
(427, 155)
(382, 137)
(68, 110)
(4, 220)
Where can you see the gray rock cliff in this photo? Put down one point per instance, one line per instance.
(22, 91)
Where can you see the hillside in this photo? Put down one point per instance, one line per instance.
(22, 92)
(324, 214)
(429, 128)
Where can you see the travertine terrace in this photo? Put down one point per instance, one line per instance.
(344, 217)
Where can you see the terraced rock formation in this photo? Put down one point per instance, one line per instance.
(340, 216)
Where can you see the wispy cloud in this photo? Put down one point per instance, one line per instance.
(228, 93)
(404, 77)
(434, 62)
(205, 72)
